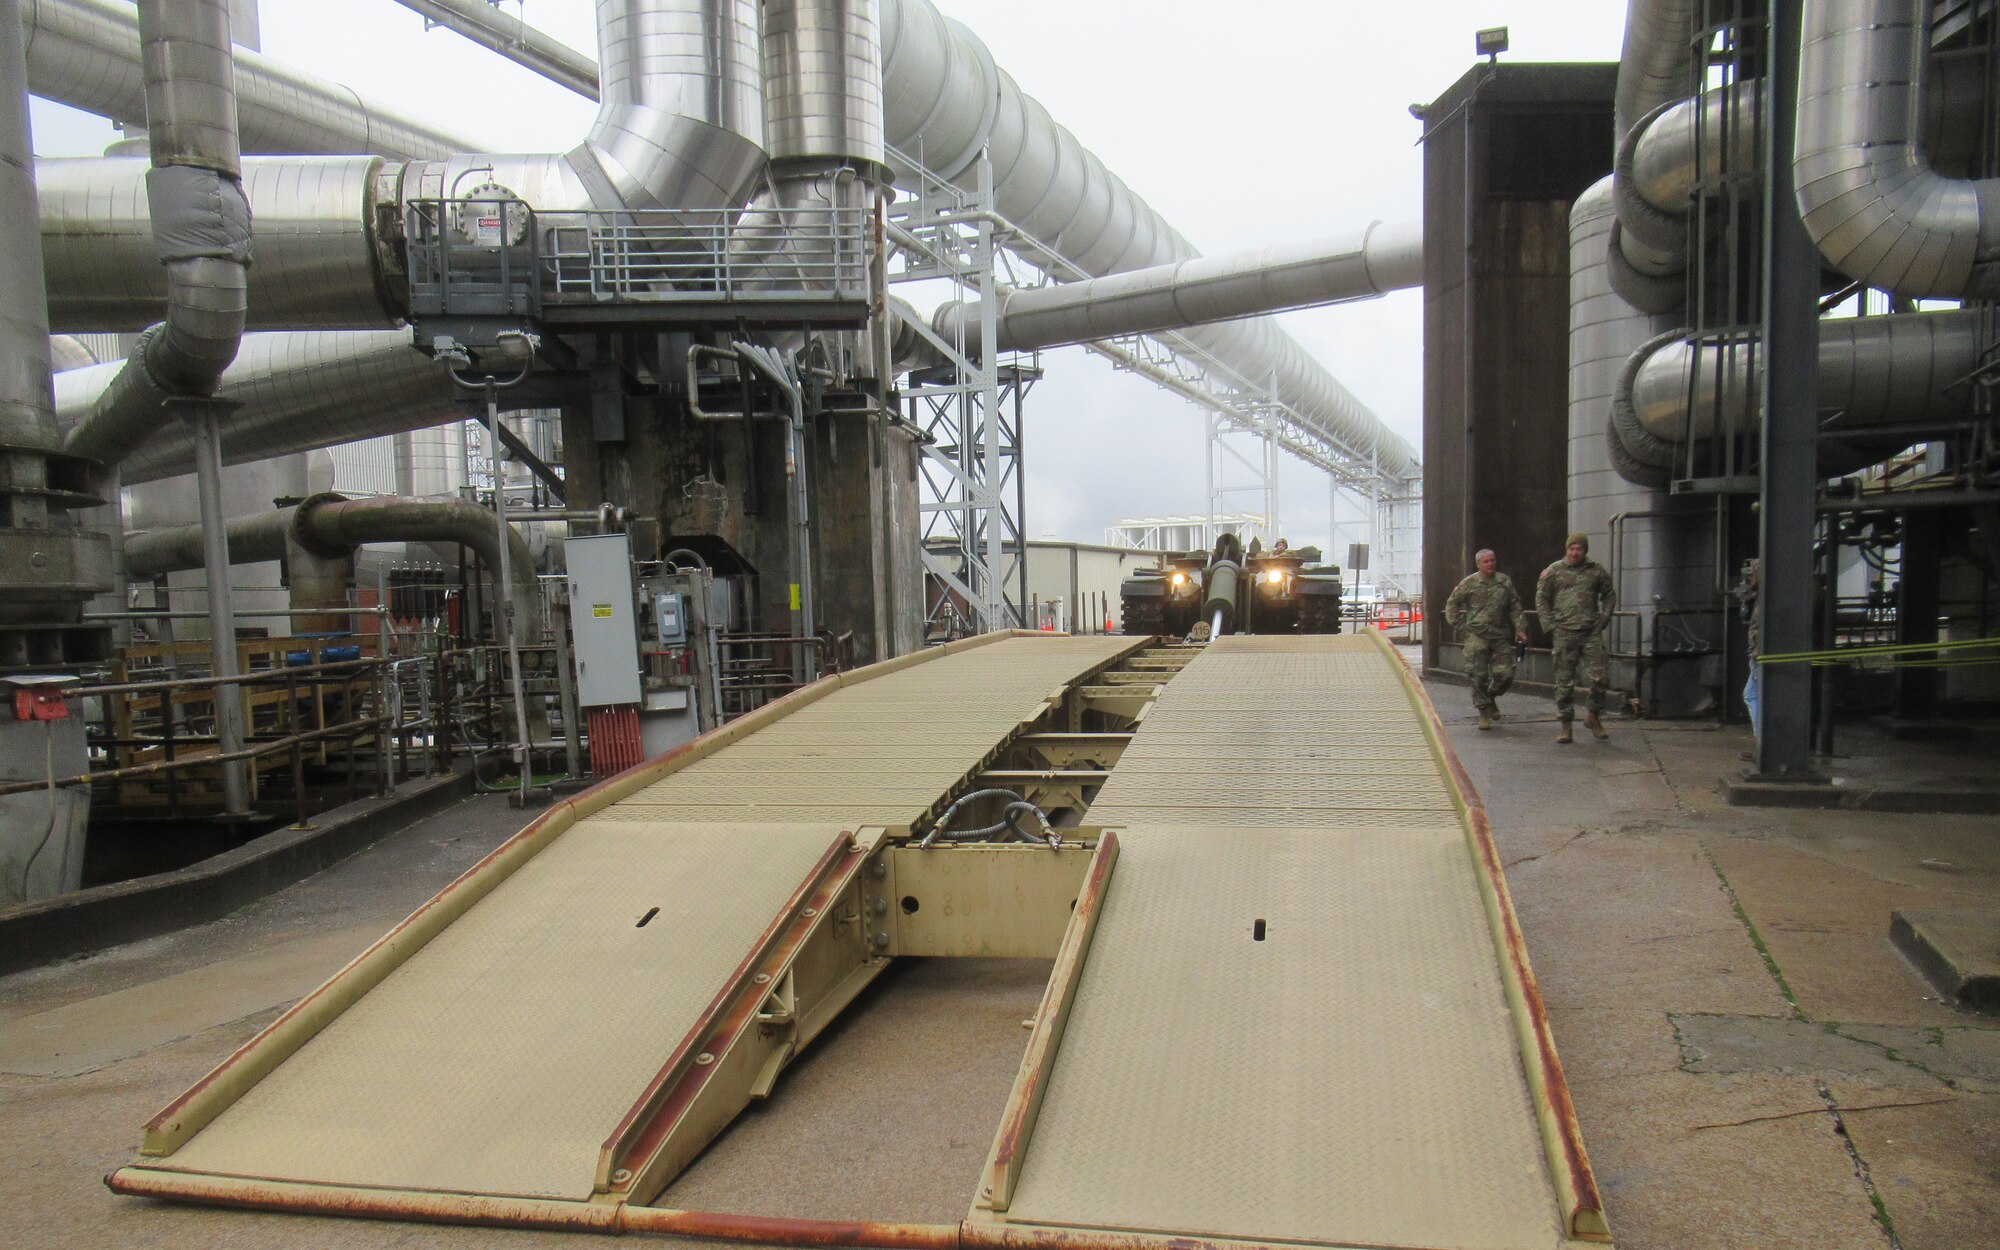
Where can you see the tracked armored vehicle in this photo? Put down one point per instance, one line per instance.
(1269, 592)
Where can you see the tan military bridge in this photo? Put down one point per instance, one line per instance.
(1289, 1005)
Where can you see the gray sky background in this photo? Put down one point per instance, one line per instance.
(1245, 123)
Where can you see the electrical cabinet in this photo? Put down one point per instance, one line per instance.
(603, 619)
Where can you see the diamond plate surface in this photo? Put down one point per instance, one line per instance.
(1354, 1077)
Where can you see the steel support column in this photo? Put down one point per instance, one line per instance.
(1788, 473)
(205, 415)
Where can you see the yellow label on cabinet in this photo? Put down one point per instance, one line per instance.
(795, 596)
(601, 609)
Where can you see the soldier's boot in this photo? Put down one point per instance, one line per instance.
(1595, 726)
(1485, 721)
(1564, 735)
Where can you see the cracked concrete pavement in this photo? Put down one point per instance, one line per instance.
(1752, 1061)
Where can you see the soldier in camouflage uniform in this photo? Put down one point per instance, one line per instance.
(1487, 613)
(1575, 599)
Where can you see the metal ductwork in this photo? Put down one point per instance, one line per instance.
(319, 255)
(200, 225)
(823, 106)
(1871, 200)
(85, 53)
(1372, 261)
(1885, 378)
(1668, 151)
(331, 527)
(297, 392)
(947, 103)
(1659, 547)
(307, 389)
(1655, 64)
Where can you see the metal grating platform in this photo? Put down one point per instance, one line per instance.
(1294, 1020)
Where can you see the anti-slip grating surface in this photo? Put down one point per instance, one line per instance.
(499, 1057)
(1352, 1078)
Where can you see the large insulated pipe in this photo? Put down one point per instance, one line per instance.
(295, 392)
(332, 527)
(319, 254)
(85, 53)
(1667, 152)
(27, 414)
(680, 126)
(948, 103)
(200, 225)
(491, 28)
(1871, 200)
(1886, 377)
(1374, 260)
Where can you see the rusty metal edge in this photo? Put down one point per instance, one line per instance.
(1562, 1136)
(484, 1210)
(1024, 1102)
(215, 1092)
(645, 1122)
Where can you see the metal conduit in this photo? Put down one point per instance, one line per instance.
(943, 95)
(1872, 202)
(85, 53)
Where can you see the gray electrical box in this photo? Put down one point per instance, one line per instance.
(670, 618)
(603, 619)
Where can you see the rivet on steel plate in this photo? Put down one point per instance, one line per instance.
(810, 912)
(762, 978)
(704, 1059)
(881, 939)
(621, 1176)
(880, 868)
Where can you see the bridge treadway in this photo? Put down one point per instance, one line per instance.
(1292, 1024)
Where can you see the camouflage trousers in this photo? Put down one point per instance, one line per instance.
(1580, 654)
(1489, 663)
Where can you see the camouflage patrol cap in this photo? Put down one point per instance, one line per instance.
(1578, 539)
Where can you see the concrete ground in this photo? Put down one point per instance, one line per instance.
(1752, 1062)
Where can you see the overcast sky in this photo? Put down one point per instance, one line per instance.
(1242, 123)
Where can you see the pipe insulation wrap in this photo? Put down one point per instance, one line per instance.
(1871, 201)
(1656, 62)
(201, 228)
(27, 409)
(297, 392)
(946, 102)
(822, 79)
(85, 53)
(1369, 262)
(681, 120)
(318, 258)
(1873, 371)
(331, 526)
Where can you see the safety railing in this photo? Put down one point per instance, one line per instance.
(155, 730)
(502, 258)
